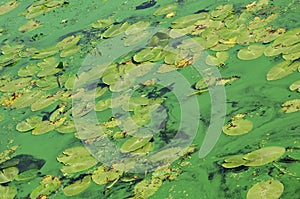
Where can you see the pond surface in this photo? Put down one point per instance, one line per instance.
(149, 99)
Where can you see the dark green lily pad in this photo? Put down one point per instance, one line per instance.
(77, 187)
(27, 175)
(75, 160)
(271, 189)
(263, 156)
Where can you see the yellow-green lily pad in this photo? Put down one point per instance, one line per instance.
(78, 186)
(8, 192)
(48, 185)
(165, 9)
(26, 99)
(103, 176)
(222, 11)
(217, 60)
(282, 70)
(253, 51)
(45, 101)
(295, 86)
(8, 174)
(135, 143)
(103, 23)
(263, 156)
(271, 189)
(8, 6)
(147, 188)
(29, 26)
(68, 42)
(188, 20)
(16, 84)
(291, 106)
(234, 161)
(75, 160)
(114, 30)
(238, 127)
(28, 71)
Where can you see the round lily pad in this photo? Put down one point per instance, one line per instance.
(263, 156)
(222, 11)
(29, 26)
(165, 9)
(8, 6)
(77, 187)
(238, 127)
(234, 161)
(295, 86)
(271, 189)
(103, 176)
(217, 60)
(252, 52)
(48, 185)
(116, 29)
(188, 20)
(28, 71)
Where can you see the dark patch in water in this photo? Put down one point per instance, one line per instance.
(145, 5)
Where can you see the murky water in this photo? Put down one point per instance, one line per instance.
(155, 99)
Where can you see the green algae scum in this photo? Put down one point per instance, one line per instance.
(149, 99)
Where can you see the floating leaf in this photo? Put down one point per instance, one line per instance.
(146, 54)
(291, 56)
(114, 30)
(28, 71)
(8, 6)
(47, 83)
(77, 187)
(27, 175)
(135, 143)
(147, 188)
(222, 11)
(165, 9)
(271, 189)
(136, 38)
(252, 52)
(137, 27)
(295, 86)
(103, 176)
(291, 106)
(29, 26)
(48, 67)
(272, 51)
(7, 192)
(67, 127)
(68, 42)
(238, 127)
(103, 23)
(45, 101)
(26, 99)
(217, 60)
(263, 156)
(69, 51)
(44, 53)
(234, 161)
(188, 20)
(8, 174)
(16, 84)
(282, 70)
(47, 186)
(76, 159)
(29, 124)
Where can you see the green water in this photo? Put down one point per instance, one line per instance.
(258, 99)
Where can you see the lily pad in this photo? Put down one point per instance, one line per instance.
(137, 27)
(234, 161)
(188, 20)
(114, 30)
(103, 23)
(16, 84)
(8, 6)
(67, 127)
(291, 106)
(237, 127)
(135, 143)
(75, 160)
(27, 175)
(147, 188)
(28, 71)
(68, 42)
(28, 124)
(47, 83)
(136, 38)
(295, 86)
(47, 186)
(146, 55)
(8, 192)
(165, 9)
(69, 51)
(45, 101)
(26, 99)
(8, 174)
(252, 52)
(271, 189)
(103, 176)
(282, 70)
(77, 187)
(263, 156)
(47, 126)
(29, 26)
(48, 67)
(222, 11)
(217, 60)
